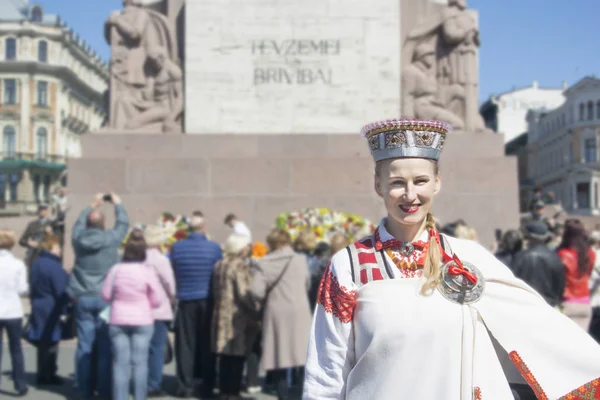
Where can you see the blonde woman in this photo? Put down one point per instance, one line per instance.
(13, 284)
(281, 282)
(234, 326)
(408, 313)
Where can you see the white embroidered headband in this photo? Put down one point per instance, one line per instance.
(404, 138)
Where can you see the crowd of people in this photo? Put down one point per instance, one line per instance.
(232, 316)
(229, 312)
(560, 260)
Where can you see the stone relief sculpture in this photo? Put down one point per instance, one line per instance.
(146, 79)
(420, 89)
(454, 35)
(159, 102)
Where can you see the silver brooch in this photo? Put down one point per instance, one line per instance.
(456, 283)
(407, 249)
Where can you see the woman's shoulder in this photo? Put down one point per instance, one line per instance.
(340, 268)
(483, 259)
(130, 268)
(567, 255)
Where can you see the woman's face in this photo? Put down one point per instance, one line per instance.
(407, 186)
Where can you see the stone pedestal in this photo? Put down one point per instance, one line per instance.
(258, 176)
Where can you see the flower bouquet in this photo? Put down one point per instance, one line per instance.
(325, 223)
(174, 228)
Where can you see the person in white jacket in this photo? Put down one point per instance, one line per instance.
(13, 284)
(407, 313)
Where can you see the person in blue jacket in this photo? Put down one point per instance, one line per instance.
(48, 301)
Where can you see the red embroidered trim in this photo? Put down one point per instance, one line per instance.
(379, 245)
(477, 393)
(336, 299)
(589, 391)
(526, 373)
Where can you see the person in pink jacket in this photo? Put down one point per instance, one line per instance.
(133, 291)
(159, 263)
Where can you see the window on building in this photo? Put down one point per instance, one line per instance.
(590, 110)
(10, 48)
(3, 179)
(583, 195)
(598, 109)
(42, 93)
(37, 183)
(9, 142)
(42, 143)
(10, 91)
(42, 51)
(589, 150)
(571, 154)
(596, 195)
(37, 14)
(581, 111)
(13, 187)
(46, 189)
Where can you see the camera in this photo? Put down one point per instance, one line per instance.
(107, 197)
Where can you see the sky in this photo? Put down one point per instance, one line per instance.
(549, 41)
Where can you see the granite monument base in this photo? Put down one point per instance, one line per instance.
(258, 176)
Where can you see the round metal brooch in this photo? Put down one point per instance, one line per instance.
(407, 249)
(457, 288)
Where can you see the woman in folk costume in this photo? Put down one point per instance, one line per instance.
(408, 313)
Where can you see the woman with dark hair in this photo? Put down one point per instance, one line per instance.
(48, 302)
(578, 259)
(132, 290)
(510, 244)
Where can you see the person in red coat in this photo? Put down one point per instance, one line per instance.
(578, 259)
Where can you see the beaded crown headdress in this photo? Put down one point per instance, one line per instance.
(404, 138)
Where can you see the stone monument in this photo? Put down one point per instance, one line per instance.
(275, 95)
(146, 91)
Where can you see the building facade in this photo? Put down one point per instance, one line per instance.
(562, 148)
(52, 90)
(506, 113)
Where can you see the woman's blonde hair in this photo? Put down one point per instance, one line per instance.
(431, 269)
(154, 236)
(306, 242)
(49, 241)
(465, 232)
(278, 238)
(338, 242)
(235, 244)
(7, 240)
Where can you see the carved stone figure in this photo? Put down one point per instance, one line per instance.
(455, 36)
(132, 32)
(458, 72)
(420, 89)
(159, 106)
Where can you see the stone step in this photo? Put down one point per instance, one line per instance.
(266, 145)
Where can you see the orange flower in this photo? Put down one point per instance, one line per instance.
(259, 250)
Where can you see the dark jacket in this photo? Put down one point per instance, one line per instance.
(542, 269)
(48, 298)
(193, 261)
(507, 258)
(34, 231)
(96, 251)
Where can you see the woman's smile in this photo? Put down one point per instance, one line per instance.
(410, 208)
